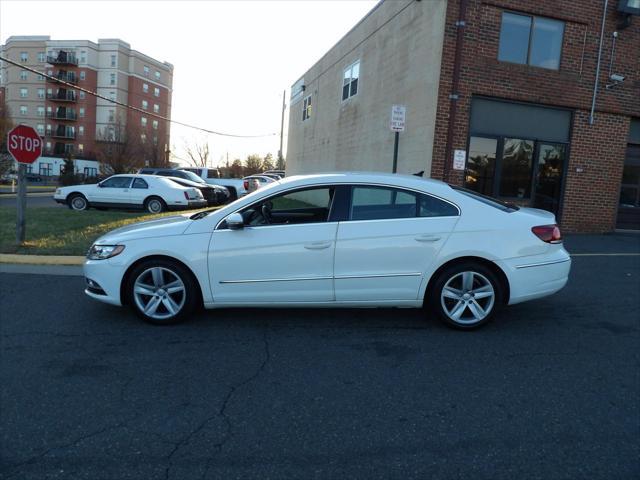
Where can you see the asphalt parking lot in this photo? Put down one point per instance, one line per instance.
(550, 390)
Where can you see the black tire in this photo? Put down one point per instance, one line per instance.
(474, 310)
(155, 205)
(77, 202)
(192, 298)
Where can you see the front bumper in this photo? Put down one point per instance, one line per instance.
(106, 277)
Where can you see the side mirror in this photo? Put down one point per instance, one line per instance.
(99, 184)
(235, 221)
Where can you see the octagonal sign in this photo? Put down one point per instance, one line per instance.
(24, 144)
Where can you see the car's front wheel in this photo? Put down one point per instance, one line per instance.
(466, 295)
(162, 292)
(77, 202)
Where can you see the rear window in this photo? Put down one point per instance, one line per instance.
(492, 202)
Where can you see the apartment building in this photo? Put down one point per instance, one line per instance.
(535, 102)
(72, 121)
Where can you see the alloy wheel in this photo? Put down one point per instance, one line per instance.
(467, 298)
(159, 293)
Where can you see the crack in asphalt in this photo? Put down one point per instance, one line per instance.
(221, 413)
(71, 444)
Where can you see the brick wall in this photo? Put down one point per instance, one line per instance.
(571, 86)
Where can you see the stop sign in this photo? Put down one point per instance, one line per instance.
(24, 144)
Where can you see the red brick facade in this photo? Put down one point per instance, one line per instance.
(594, 170)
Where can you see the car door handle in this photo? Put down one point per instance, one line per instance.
(427, 238)
(317, 245)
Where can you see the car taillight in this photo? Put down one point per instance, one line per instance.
(186, 195)
(548, 233)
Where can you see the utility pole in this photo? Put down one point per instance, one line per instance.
(280, 157)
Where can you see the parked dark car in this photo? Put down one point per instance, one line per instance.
(214, 194)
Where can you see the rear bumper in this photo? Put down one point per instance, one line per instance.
(190, 204)
(536, 277)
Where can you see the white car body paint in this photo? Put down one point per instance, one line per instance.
(349, 263)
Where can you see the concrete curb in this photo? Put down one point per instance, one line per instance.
(29, 194)
(41, 259)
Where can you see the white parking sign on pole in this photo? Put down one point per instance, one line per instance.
(398, 114)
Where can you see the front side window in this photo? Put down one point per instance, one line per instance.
(310, 205)
(306, 108)
(116, 182)
(139, 183)
(350, 80)
(528, 40)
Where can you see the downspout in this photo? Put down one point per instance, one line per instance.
(595, 85)
(455, 82)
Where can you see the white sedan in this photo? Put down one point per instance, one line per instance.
(336, 240)
(152, 193)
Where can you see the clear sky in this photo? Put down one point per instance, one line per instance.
(232, 59)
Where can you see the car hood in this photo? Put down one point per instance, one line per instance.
(161, 227)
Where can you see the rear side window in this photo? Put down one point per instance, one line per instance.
(212, 174)
(116, 182)
(139, 183)
(378, 203)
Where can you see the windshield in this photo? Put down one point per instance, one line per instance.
(492, 202)
(193, 177)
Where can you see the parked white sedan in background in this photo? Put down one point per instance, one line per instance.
(356, 240)
(154, 194)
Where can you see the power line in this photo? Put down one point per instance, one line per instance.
(131, 107)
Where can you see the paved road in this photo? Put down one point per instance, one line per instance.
(549, 390)
(37, 200)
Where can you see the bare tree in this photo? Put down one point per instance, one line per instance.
(267, 163)
(121, 149)
(252, 164)
(198, 154)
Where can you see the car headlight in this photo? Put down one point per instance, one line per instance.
(58, 191)
(102, 252)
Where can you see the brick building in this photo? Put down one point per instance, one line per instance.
(508, 85)
(72, 121)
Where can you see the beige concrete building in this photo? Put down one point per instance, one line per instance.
(340, 108)
(70, 120)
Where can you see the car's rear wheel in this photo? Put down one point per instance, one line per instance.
(77, 202)
(466, 295)
(155, 205)
(162, 292)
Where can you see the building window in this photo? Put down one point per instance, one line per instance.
(156, 108)
(23, 110)
(41, 78)
(81, 130)
(527, 40)
(82, 75)
(83, 56)
(156, 92)
(24, 93)
(350, 80)
(113, 61)
(48, 129)
(143, 137)
(81, 112)
(45, 169)
(112, 79)
(48, 146)
(143, 121)
(155, 140)
(42, 57)
(41, 93)
(112, 116)
(146, 71)
(145, 88)
(24, 57)
(157, 73)
(24, 75)
(154, 124)
(81, 95)
(81, 147)
(145, 104)
(90, 171)
(40, 129)
(306, 108)
(112, 95)
(40, 111)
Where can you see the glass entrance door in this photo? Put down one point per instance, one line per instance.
(548, 177)
(629, 203)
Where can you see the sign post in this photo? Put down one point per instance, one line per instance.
(25, 146)
(397, 123)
